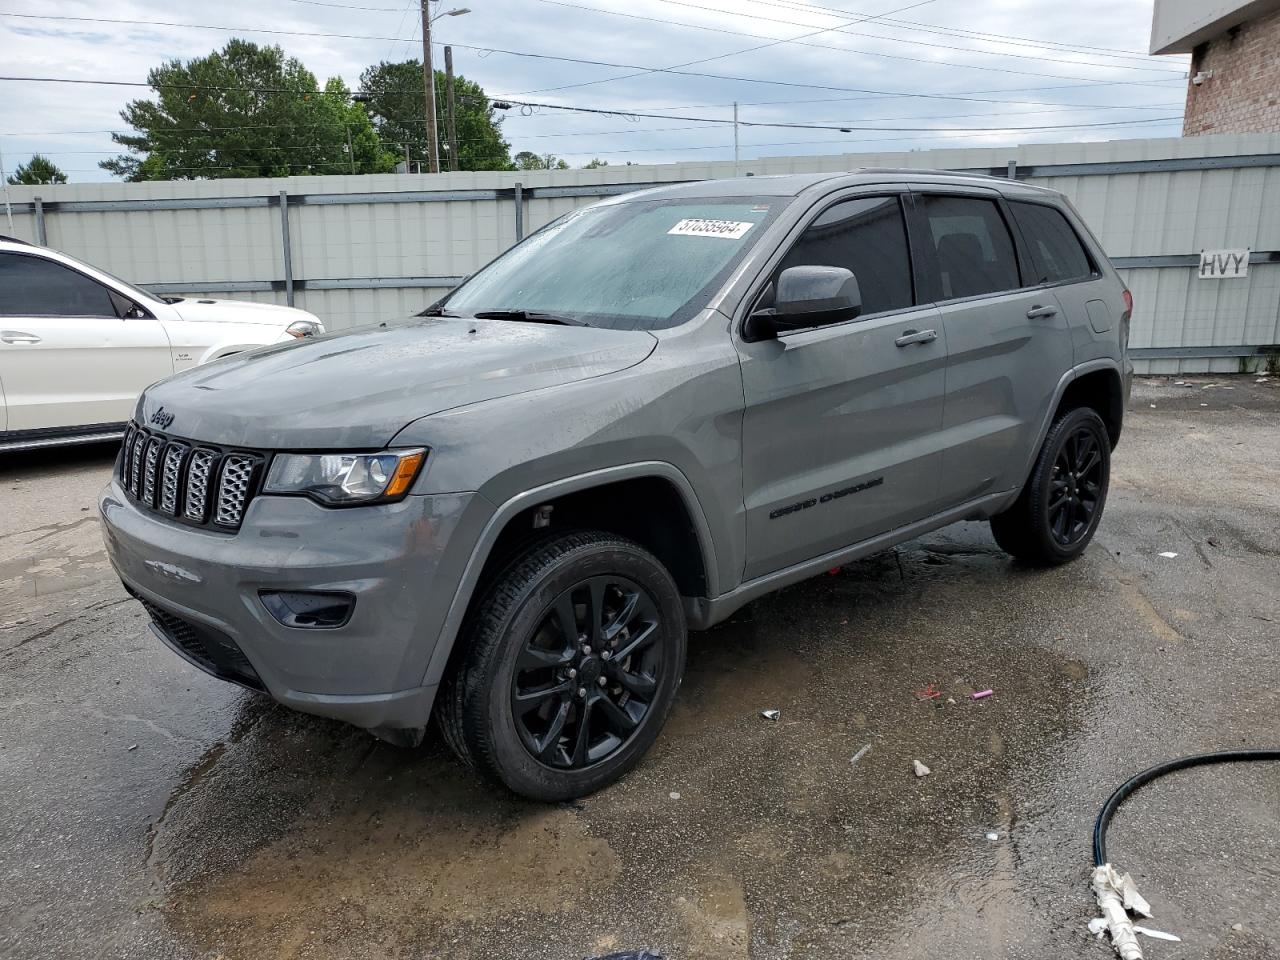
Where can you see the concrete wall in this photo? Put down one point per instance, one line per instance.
(365, 249)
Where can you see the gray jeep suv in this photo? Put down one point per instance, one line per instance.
(508, 510)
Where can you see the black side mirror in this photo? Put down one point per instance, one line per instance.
(808, 297)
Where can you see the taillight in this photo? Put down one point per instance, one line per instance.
(1127, 317)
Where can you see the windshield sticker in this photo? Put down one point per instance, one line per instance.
(728, 229)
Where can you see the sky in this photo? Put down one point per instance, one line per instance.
(959, 72)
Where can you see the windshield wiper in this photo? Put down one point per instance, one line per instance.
(528, 316)
(438, 312)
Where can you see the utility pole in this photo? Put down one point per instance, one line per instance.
(735, 139)
(351, 154)
(429, 90)
(4, 184)
(451, 119)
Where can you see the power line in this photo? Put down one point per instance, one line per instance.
(544, 56)
(720, 56)
(524, 104)
(887, 21)
(1052, 108)
(593, 133)
(947, 31)
(671, 150)
(824, 46)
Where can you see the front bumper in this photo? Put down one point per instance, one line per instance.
(402, 562)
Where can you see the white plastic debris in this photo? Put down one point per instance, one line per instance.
(1117, 896)
(1156, 934)
(993, 836)
(921, 769)
(771, 714)
(1168, 555)
(674, 795)
(860, 754)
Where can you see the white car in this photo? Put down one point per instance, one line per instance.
(78, 345)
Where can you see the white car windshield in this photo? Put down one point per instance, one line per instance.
(636, 265)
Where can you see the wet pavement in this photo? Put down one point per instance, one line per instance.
(147, 810)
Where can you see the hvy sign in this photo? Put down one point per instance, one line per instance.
(1224, 264)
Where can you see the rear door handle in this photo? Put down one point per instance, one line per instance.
(1038, 312)
(17, 336)
(916, 336)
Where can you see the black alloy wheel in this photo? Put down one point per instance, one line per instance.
(567, 666)
(1075, 486)
(586, 677)
(1058, 510)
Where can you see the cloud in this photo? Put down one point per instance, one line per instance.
(1054, 84)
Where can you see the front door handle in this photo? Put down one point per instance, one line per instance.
(916, 336)
(1038, 312)
(18, 336)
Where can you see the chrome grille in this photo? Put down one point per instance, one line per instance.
(193, 484)
(198, 473)
(233, 489)
(150, 467)
(170, 475)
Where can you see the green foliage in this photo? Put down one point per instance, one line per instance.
(528, 160)
(395, 99)
(244, 111)
(37, 170)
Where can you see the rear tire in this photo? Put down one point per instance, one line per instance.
(570, 664)
(1058, 511)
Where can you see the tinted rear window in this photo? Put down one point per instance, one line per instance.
(974, 250)
(1056, 252)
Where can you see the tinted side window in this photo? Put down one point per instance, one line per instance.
(1056, 251)
(974, 248)
(867, 236)
(32, 287)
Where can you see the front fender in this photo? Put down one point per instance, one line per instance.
(502, 514)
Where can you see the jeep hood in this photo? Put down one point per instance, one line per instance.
(356, 390)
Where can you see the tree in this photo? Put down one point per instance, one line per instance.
(37, 170)
(595, 164)
(245, 111)
(393, 92)
(528, 160)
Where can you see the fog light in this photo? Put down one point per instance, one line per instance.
(309, 610)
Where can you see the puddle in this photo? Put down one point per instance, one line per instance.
(311, 839)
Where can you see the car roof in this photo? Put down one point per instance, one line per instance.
(794, 184)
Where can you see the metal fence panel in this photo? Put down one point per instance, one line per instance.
(367, 249)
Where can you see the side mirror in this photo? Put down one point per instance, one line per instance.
(808, 297)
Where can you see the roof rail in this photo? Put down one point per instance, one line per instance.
(16, 240)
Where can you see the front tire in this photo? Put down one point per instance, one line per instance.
(571, 662)
(1055, 516)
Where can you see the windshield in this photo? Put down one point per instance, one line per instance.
(637, 265)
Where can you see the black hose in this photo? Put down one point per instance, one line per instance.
(1146, 776)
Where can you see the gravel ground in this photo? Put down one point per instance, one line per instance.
(147, 810)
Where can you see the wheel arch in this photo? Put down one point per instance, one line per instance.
(1101, 389)
(1098, 384)
(674, 528)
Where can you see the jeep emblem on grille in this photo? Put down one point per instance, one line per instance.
(162, 419)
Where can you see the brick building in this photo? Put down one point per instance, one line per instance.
(1235, 62)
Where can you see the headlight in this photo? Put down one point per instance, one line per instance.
(304, 328)
(345, 478)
